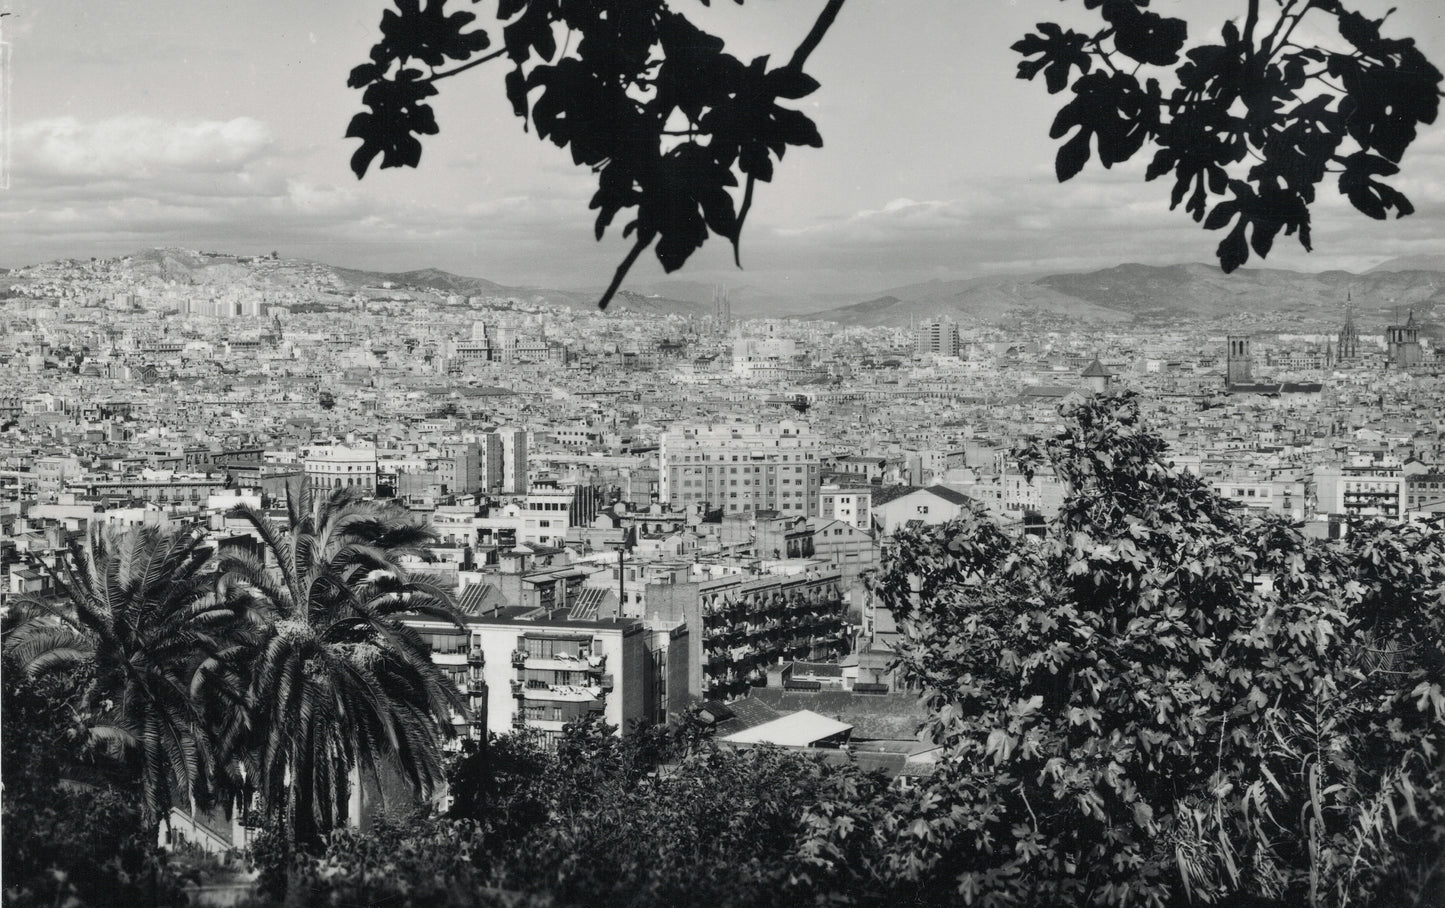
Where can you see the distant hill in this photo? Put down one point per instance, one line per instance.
(193, 267)
(1158, 294)
(1422, 262)
(585, 300)
(429, 278)
(1128, 293)
(976, 300)
(747, 301)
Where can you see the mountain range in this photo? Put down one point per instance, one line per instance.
(1155, 294)
(1123, 294)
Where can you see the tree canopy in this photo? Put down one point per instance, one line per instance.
(679, 129)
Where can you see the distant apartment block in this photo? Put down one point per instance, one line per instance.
(330, 467)
(939, 338)
(740, 468)
(539, 670)
(851, 505)
(1373, 490)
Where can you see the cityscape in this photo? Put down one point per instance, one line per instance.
(985, 524)
(621, 474)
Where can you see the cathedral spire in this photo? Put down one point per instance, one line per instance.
(1348, 346)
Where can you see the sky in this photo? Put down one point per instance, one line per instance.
(219, 126)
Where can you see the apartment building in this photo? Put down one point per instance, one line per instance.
(330, 467)
(726, 632)
(740, 467)
(1374, 490)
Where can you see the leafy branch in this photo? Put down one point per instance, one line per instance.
(1239, 101)
(612, 94)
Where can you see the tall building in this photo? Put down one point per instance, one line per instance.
(1348, 347)
(1239, 362)
(740, 467)
(937, 337)
(466, 462)
(513, 449)
(1402, 344)
(490, 445)
(722, 307)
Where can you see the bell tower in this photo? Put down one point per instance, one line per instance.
(1239, 362)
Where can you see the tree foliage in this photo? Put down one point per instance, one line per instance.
(337, 681)
(1253, 122)
(1165, 701)
(667, 119)
(657, 817)
(138, 621)
(171, 676)
(80, 844)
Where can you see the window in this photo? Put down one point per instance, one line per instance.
(551, 647)
(923, 509)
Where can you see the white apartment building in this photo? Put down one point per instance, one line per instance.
(1375, 490)
(741, 467)
(541, 671)
(546, 516)
(331, 467)
(850, 504)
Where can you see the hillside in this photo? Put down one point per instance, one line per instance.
(1159, 294)
(1128, 293)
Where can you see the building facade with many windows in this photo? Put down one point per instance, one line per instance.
(742, 467)
(728, 631)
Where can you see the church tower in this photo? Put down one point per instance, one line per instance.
(1239, 362)
(1402, 343)
(1348, 347)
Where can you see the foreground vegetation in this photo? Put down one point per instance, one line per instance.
(1162, 701)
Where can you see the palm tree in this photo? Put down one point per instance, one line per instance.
(136, 623)
(339, 681)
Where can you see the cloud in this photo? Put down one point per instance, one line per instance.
(1097, 219)
(65, 150)
(113, 185)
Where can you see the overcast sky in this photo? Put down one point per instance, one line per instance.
(219, 126)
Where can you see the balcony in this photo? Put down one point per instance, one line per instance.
(517, 689)
(519, 658)
(606, 683)
(475, 656)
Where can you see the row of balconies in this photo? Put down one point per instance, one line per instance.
(713, 637)
(773, 601)
(519, 688)
(596, 662)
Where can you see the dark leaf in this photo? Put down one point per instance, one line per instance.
(1057, 52)
(1072, 156)
(1371, 198)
